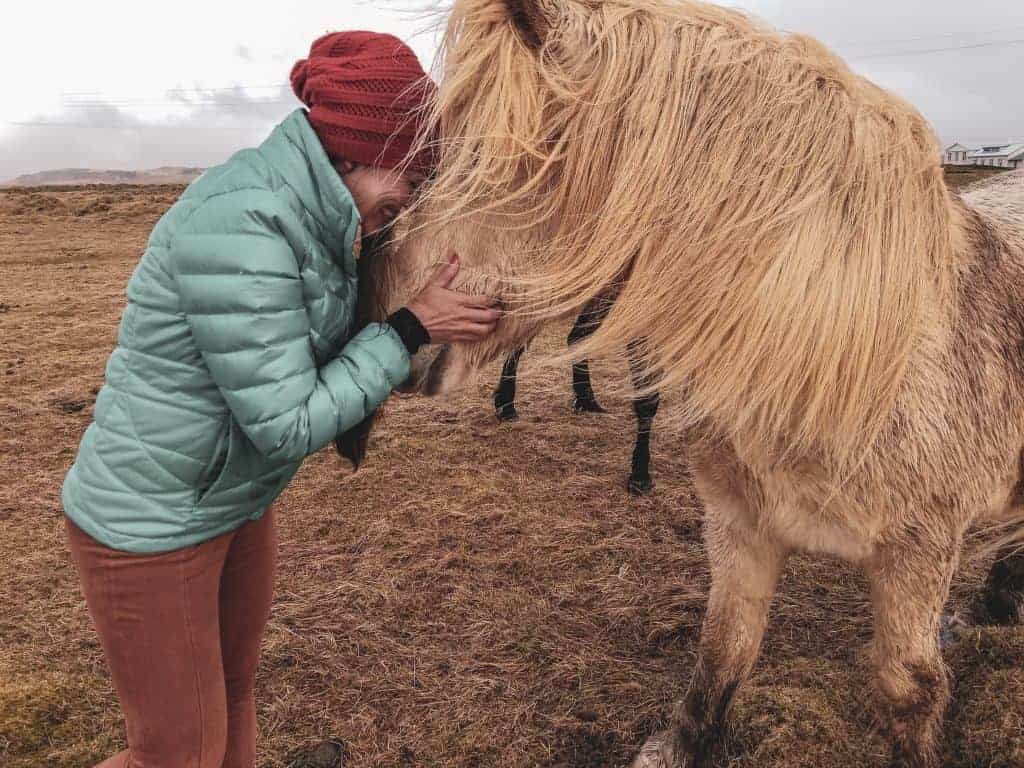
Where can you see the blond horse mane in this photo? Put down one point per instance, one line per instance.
(776, 229)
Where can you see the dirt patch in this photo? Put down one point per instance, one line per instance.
(34, 203)
(69, 404)
(94, 207)
(479, 595)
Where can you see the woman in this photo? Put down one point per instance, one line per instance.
(235, 360)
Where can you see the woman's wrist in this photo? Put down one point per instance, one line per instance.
(409, 329)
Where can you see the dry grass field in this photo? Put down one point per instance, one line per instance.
(478, 595)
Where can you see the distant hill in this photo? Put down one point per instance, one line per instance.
(77, 176)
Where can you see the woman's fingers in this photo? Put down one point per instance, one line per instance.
(445, 274)
(479, 300)
(473, 331)
(449, 315)
(477, 315)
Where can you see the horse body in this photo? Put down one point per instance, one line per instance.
(848, 335)
(960, 414)
(954, 438)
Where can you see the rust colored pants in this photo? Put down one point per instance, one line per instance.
(181, 633)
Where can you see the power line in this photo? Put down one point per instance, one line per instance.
(73, 97)
(921, 39)
(279, 102)
(923, 51)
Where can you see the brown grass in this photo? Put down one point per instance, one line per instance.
(961, 176)
(478, 595)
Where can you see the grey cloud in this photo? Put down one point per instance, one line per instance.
(970, 95)
(102, 134)
(243, 53)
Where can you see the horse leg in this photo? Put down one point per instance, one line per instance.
(909, 586)
(646, 408)
(640, 481)
(1004, 589)
(505, 392)
(588, 321)
(745, 570)
(584, 399)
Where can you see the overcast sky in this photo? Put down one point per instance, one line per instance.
(133, 85)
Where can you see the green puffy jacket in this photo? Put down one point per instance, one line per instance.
(234, 359)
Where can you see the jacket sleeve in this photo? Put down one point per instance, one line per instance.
(237, 271)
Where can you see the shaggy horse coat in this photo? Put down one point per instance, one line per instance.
(846, 334)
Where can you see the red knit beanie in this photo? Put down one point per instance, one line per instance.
(366, 93)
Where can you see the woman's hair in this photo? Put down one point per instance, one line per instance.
(372, 270)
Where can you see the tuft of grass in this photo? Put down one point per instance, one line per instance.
(803, 716)
(50, 721)
(987, 716)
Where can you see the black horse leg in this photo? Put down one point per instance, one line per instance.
(1004, 590)
(646, 408)
(589, 319)
(584, 399)
(640, 481)
(505, 392)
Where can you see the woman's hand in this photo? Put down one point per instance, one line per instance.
(448, 315)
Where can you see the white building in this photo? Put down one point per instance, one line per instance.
(993, 155)
(999, 156)
(956, 155)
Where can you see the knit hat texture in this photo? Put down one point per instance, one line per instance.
(367, 96)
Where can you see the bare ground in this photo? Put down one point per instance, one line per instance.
(477, 595)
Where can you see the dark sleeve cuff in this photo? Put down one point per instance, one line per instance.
(409, 329)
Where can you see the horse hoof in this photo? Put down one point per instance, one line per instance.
(1002, 601)
(1005, 607)
(655, 753)
(951, 630)
(507, 413)
(640, 486)
(587, 405)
